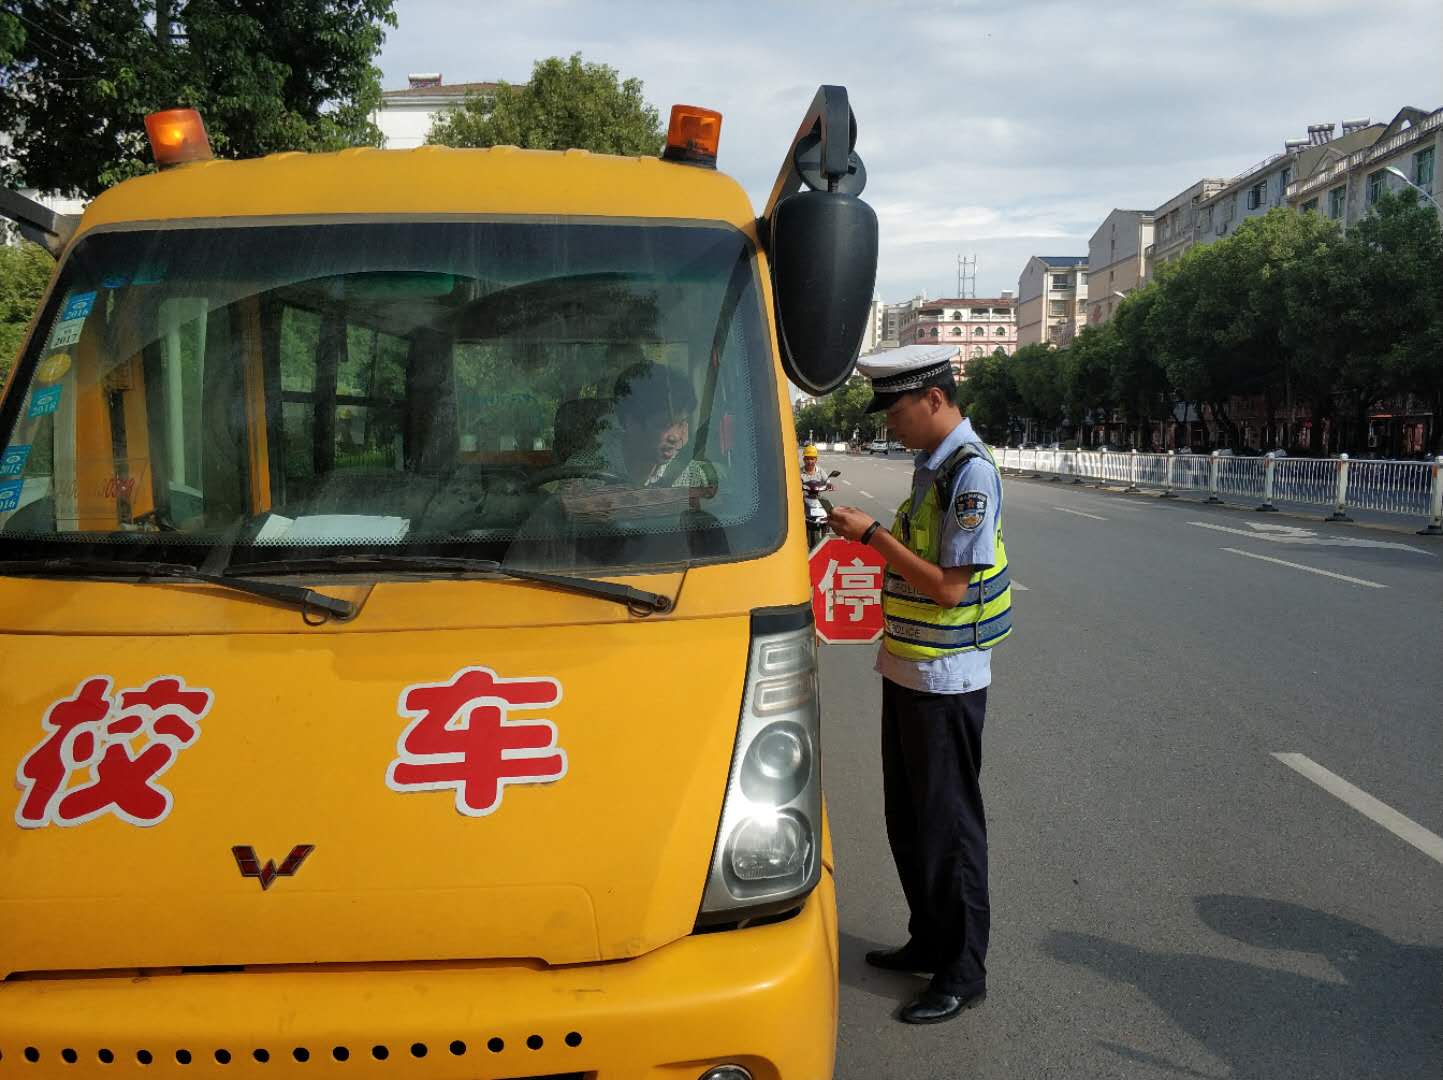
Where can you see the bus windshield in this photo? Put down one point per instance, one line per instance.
(557, 393)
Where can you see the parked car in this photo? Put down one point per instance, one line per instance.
(895, 445)
(877, 446)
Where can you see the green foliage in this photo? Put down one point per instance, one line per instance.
(24, 272)
(1397, 253)
(840, 413)
(990, 398)
(566, 104)
(267, 75)
(1036, 372)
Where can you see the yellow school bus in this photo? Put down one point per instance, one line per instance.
(408, 663)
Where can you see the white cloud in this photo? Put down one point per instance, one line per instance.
(1003, 131)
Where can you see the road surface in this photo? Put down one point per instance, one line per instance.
(1211, 766)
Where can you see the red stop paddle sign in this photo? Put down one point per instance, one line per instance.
(847, 592)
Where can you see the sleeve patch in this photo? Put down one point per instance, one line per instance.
(971, 509)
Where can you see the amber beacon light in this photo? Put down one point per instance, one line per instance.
(177, 136)
(693, 135)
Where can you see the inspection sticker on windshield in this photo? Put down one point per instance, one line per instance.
(10, 494)
(78, 306)
(12, 462)
(65, 334)
(46, 401)
(465, 736)
(103, 750)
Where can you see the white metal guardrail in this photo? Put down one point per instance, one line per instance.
(1410, 488)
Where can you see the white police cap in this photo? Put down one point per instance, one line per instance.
(912, 367)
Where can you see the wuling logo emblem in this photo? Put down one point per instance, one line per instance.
(250, 866)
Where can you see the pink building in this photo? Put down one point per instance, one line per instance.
(980, 325)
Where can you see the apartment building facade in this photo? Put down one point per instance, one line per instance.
(1051, 299)
(1346, 187)
(406, 115)
(979, 326)
(1264, 186)
(1116, 260)
(1175, 224)
(876, 321)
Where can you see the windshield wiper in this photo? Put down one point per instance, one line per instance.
(639, 600)
(296, 595)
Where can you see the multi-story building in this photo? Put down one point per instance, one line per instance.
(1265, 186)
(978, 325)
(900, 320)
(1051, 299)
(1174, 223)
(1346, 187)
(876, 320)
(406, 116)
(1116, 261)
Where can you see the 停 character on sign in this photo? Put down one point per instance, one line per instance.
(118, 744)
(852, 586)
(463, 737)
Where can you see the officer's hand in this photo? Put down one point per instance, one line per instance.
(849, 523)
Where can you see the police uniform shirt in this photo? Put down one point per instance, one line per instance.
(973, 544)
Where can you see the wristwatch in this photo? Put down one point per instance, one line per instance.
(866, 537)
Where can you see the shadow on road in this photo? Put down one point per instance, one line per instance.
(859, 975)
(1381, 1020)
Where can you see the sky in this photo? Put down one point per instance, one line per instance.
(996, 130)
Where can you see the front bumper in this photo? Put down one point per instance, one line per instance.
(764, 997)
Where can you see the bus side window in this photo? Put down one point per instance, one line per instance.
(370, 398)
(300, 336)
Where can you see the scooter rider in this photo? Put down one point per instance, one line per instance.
(814, 482)
(811, 470)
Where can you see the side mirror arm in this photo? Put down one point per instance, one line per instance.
(821, 152)
(38, 224)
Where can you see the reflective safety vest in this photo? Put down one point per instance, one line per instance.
(916, 628)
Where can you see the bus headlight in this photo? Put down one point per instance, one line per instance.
(767, 853)
(770, 848)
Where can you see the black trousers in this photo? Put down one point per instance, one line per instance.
(931, 764)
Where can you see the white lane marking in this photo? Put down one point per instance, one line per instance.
(847, 482)
(867, 494)
(1429, 843)
(1289, 534)
(1309, 569)
(1020, 587)
(1080, 513)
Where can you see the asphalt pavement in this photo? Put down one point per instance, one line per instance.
(1211, 766)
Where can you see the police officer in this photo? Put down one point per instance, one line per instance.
(947, 603)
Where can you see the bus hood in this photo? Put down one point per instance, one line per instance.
(547, 792)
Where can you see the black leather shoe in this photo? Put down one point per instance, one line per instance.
(931, 1007)
(904, 958)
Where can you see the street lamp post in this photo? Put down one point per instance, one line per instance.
(1399, 174)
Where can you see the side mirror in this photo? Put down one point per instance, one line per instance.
(822, 242)
(834, 472)
(824, 268)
